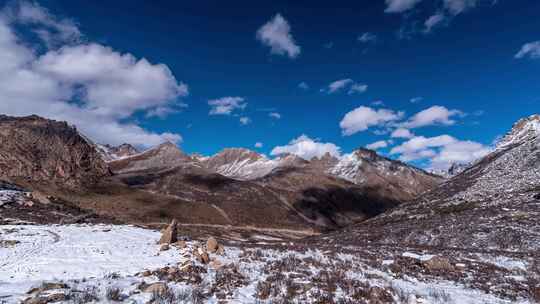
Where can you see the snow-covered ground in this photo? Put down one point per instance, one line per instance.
(101, 257)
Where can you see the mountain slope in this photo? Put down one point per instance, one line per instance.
(36, 150)
(495, 204)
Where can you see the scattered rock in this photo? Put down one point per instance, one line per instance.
(53, 298)
(8, 243)
(156, 288)
(212, 245)
(169, 236)
(146, 273)
(220, 250)
(180, 244)
(164, 247)
(46, 287)
(438, 264)
(537, 196)
(201, 255)
(216, 264)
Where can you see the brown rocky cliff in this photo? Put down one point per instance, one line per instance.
(35, 149)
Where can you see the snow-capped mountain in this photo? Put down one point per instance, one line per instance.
(366, 167)
(493, 204)
(110, 153)
(239, 163)
(166, 155)
(453, 170)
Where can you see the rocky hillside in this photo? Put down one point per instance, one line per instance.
(166, 155)
(362, 167)
(367, 168)
(494, 204)
(36, 150)
(110, 153)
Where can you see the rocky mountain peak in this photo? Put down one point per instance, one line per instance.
(523, 130)
(110, 153)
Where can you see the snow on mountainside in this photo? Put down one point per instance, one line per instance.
(110, 153)
(366, 167)
(523, 130)
(493, 204)
(238, 163)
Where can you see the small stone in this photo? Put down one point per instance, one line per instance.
(157, 288)
(164, 247)
(146, 273)
(220, 250)
(180, 244)
(212, 245)
(438, 264)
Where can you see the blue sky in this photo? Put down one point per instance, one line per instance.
(464, 70)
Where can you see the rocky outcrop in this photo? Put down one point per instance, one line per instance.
(170, 234)
(38, 150)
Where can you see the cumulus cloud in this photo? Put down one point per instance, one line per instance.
(274, 115)
(400, 6)
(432, 116)
(259, 144)
(307, 148)
(361, 118)
(276, 34)
(343, 84)
(401, 133)
(88, 85)
(245, 120)
(378, 145)
(226, 105)
(440, 151)
(367, 37)
(531, 50)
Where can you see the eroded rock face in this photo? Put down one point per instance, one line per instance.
(35, 149)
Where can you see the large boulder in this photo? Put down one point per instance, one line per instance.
(170, 235)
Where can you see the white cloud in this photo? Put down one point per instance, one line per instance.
(259, 144)
(245, 120)
(377, 145)
(531, 50)
(226, 105)
(276, 34)
(88, 85)
(342, 84)
(357, 88)
(114, 83)
(400, 6)
(303, 85)
(367, 37)
(361, 118)
(338, 85)
(307, 148)
(377, 103)
(274, 115)
(457, 7)
(434, 21)
(49, 28)
(402, 133)
(440, 151)
(432, 116)
(416, 99)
